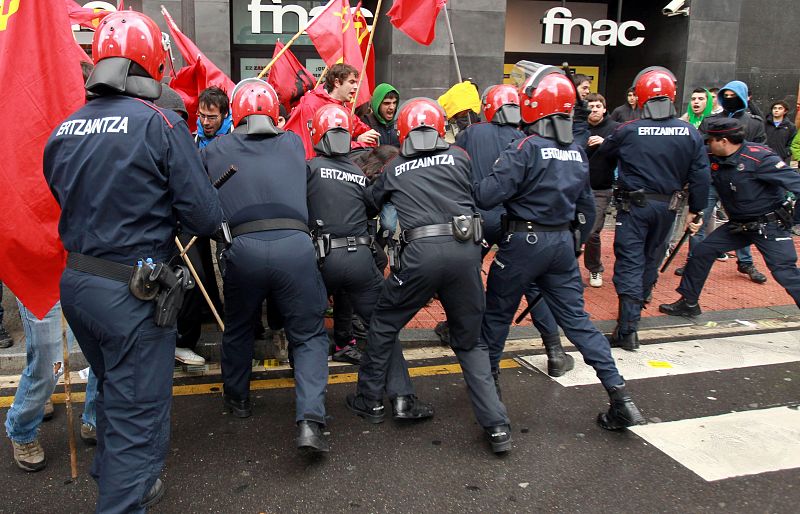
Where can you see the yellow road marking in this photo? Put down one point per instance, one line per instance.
(279, 383)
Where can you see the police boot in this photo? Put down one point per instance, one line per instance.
(409, 407)
(499, 437)
(371, 411)
(310, 437)
(239, 408)
(154, 495)
(496, 377)
(622, 412)
(624, 335)
(558, 362)
(680, 308)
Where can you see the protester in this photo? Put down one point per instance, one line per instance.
(213, 115)
(780, 131)
(628, 111)
(6, 341)
(700, 107)
(122, 189)
(385, 102)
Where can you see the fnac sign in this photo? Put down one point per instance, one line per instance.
(599, 33)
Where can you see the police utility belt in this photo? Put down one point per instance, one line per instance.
(462, 228)
(509, 226)
(640, 198)
(165, 285)
(783, 216)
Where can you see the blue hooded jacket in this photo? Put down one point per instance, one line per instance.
(202, 140)
(733, 105)
(737, 108)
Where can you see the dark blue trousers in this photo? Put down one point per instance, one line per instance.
(443, 266)
(541, 316)
(283, 270)
(546, 259)
(640, 243)
(355, 277)
(777, 248)
(133, 360)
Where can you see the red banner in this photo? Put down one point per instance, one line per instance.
(289, 78)
(36, 44)
(416, 18)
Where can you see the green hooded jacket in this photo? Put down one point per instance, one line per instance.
(697, 120)
(380, 92)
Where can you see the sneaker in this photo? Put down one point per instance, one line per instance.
(750, 270)
(348, 353)
(29, 456)
(188, 357)
(48, 410)
(596, 279)
(6, 340)
(89, 434)
(723, 257)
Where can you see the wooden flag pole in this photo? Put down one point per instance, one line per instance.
(283, 50)
(198, 283)
(366, 57)
(73, 454)
(452, 44)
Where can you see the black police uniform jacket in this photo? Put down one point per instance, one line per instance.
(270, 183)
(657, 156)
(539, 180)
(752, 182)
(125, 172)
(427, 189)
(336, 196)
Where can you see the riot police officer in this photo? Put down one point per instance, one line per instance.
(543, 181)
(336, 199)
(484, 142)
(657, 156)
(429, 184)
(271, 256)
(752, 183)
(124, 171)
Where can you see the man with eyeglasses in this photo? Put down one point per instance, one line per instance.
(213, 115)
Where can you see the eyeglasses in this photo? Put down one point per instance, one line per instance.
(208, 117)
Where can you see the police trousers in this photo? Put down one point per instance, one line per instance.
(133, 360)
(546, 259)
(356, 278)
(640, 243)
(279, 266)
(775, 245)
(434, 265)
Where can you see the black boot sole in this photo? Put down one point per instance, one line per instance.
(560, 370)
(500, 448)
(411, 416)
(312, 445)
(239, 412)
(368, 417)
(159, 493)
(615, 423)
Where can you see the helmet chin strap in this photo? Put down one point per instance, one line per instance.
(659, 109)
(557, 127)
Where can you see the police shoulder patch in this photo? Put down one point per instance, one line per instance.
(780, 164)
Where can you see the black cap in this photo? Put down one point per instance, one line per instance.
(721, 127)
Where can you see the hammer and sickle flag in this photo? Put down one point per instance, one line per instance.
(36, 44)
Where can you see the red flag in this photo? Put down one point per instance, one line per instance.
(290, 79)
(88, 18)
(416, 18)
(362, 33)
(36, 44)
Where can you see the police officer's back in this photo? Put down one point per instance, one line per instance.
(271, 255)
(430, 185)
(124, 172)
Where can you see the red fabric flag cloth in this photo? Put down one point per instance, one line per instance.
(36, 44)
(88, 18)
(290, 79)
(198, 74)
(362, 32)
(416, 18)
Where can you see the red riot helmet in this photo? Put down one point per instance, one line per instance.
(546, 92)
(256, 101)
(129, 56)
(501, 104)
(331, 130)
(420, 126)
(654, 82)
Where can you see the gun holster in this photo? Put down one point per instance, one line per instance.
(322, 242)
(140, 284)
(394, 252)
(785, 214)
(372, 232)
(223, 235)
(676, 201)
(462, 228)
(173, 282)
(637, 198)
(576, 227)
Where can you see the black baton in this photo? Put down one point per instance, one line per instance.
(528, 309)
(225, 177)
(683, 239)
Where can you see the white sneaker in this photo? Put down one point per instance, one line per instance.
(596, 279)
(187, 356)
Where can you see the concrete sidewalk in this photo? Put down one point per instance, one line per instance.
(731, 303)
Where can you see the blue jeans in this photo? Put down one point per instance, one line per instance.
(743, 255)
(389, 218)
(38, 380)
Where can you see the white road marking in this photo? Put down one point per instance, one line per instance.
(730, 445)
(681, 357)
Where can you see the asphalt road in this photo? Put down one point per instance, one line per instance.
(561, 460)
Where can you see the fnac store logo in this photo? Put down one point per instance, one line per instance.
(7, 9)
